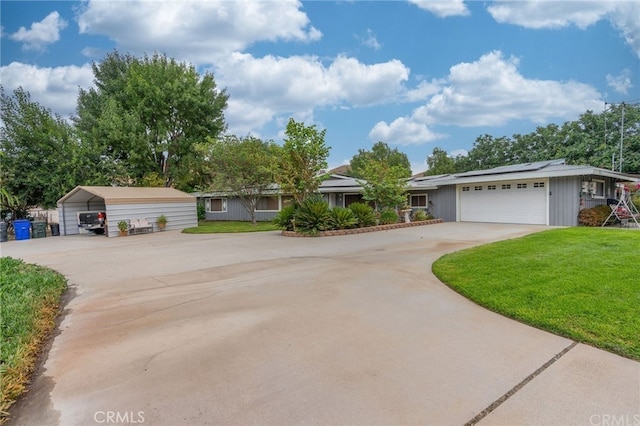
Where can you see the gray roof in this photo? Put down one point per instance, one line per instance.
(537, 170)
(126, 195)
(515, 168)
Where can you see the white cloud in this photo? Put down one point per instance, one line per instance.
(623, 15)
(370, 40)
(620, 83)
(54, 88)
(443, 8)
(625, 19)
(490, 92)
(549, 14)
(424, 90)
(41, 33)
(272, 86)
(403, 131)
(198, 30)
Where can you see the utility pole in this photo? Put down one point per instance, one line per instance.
(621, 139)
(620, 158)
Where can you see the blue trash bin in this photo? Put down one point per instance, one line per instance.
(22, 229)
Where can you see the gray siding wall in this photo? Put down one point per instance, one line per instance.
(442, 203)
(236, 211)
(68, 214)
(567, 198)
(564, 200)
(179, 215)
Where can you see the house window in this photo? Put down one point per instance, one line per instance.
(352, 198)
(418, 201)
(267, 204)
(216, 205)
(522, 186)
(597, 188)
(491, 187)
(506, 186)
(477, 188)
(465, 188)
(538, 184)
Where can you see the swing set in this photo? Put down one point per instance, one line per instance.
(623, 209)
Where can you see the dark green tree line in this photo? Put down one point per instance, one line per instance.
(594, 139)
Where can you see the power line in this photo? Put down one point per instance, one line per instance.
(622, 104)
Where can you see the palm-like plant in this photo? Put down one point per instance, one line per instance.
(312, 216)
(284, 219)
(365, 215)
(342, 218)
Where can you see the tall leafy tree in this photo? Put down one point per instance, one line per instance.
(244, 167)
(41, 159)
(302, 161)
(380, 152)
(440, 163)
(145, 115)
(384, 185)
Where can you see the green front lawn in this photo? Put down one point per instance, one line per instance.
(219, 227)
(581, 283)
(29, 296)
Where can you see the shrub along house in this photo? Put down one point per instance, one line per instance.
(544, 193)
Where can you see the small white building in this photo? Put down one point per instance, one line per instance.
(127, 203)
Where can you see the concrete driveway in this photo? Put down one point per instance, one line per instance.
(174, 329)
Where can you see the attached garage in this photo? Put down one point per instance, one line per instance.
(127, 203)
(517, 201)
(540, 193)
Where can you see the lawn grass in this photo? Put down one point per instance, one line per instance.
(581, 283)
(219, 227)
(30, 297)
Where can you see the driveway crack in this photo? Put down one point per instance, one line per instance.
(495, 404)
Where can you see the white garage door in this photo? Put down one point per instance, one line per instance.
(504, 202)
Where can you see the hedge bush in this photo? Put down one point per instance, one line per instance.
(388, 216)
(594, 216)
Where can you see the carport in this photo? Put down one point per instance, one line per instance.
(126, 203)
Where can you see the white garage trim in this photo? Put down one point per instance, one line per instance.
(517, 201)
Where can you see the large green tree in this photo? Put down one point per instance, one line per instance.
(302, 161)
(384, 184)
(41, 159)
(440, 163)
(144, 117)
(380, 152)
(244, 167)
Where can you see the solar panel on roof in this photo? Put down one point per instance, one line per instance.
(524, 167)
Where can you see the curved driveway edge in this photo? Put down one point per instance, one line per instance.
(172, 329)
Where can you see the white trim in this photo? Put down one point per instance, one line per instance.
(594, 193)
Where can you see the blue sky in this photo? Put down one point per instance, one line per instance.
(414, 74)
